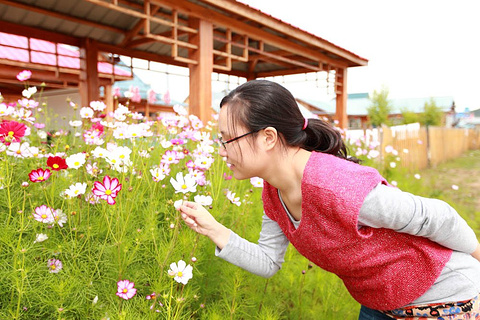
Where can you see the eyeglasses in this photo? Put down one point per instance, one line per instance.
(224, 143)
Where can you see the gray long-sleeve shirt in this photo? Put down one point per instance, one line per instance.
(384, 207)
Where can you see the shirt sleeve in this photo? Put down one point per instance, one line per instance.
(387, 207)
(263, 259)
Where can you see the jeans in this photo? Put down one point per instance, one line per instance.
(370, 314)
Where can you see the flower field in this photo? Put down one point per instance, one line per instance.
(90, 230)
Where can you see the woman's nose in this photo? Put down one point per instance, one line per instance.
(222, 151)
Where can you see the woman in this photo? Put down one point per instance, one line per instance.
(397, 254)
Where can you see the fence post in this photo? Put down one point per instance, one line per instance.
(429, 154)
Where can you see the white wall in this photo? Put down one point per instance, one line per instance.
(58, 109)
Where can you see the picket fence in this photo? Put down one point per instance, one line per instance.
(421, 147)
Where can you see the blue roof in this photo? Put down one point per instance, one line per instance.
(358, 103)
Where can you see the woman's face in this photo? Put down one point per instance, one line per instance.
(240, 154)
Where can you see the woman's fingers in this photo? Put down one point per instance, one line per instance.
(189, 221)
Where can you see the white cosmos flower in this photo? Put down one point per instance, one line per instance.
(98, 105)
(86, 112)
(157, 174)
(203, 200)
(177, 204)
(181, 272)
(100, 152)
(76, 189)
(75, 123)
(40, 237)
(417, 176)
(184, 184)
(231, 197)
(27, 93)
(42, 134)
(257, 182)
(59, 217)
(75, 161)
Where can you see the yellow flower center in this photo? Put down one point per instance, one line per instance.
(180, 273)
(76, 191)
(77, 163)
(40, 178)
(122, 156)
(184, 186)
(11, 133)
(170, 159)
(125, 290)
(108, 192)
(55, 166)
(44, 216)
(53, 267)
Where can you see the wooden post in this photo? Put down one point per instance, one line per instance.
(109, 99)
(342, 96)
(200, 99)
(89, 83)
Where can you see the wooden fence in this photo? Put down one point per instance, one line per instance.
(420, 147)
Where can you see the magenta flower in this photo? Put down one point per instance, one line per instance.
(55, 265)
(44, 214)
(108, 190)
(24, 75)
(11, 131)
(125, 289)
(39, 175)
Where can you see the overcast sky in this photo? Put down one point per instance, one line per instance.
(421, 48)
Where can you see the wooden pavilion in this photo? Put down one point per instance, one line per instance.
(206, 36)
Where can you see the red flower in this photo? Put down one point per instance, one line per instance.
(39, 175)
(57, 163)
(11, 131)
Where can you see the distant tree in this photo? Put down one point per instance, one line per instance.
(380, 108)
(432, 114)
(409, 116)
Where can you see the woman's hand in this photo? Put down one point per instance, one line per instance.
(198, 219)
(476, 253)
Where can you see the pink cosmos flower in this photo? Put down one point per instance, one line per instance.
(44, 214)
(11, 131)
(24, 75)
(55, 265)
(125, 289)
(108, 190)
(39, 175)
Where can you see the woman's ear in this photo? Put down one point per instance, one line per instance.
(270, 137)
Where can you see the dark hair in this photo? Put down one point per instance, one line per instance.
(258, 104)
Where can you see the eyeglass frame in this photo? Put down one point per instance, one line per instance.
(224, 143)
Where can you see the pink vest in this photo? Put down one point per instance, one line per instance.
(382, 269)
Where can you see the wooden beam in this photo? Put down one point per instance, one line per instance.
(275, 24)
(200, 98)
(242, 28)
(138, 14)
(129, 35)
(59, 15)
(341, 100)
